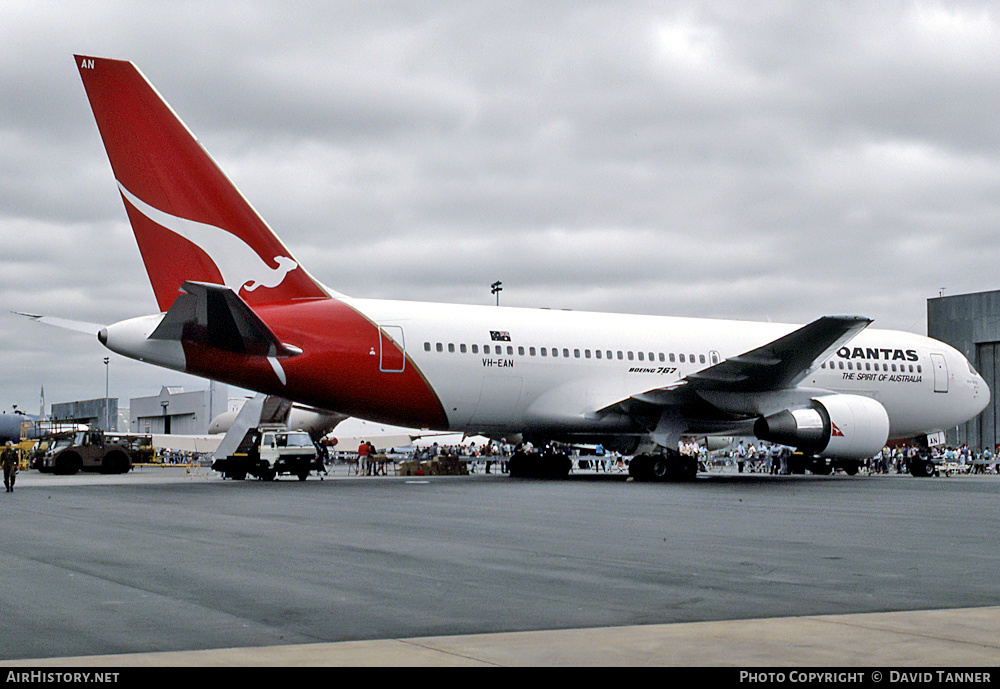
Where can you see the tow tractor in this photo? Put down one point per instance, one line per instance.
(89, 450)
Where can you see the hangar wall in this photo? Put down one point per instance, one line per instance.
(101, 413)
(175, 411)
(971, 324)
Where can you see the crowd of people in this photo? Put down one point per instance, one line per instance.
(968, 460)
(743, 456)
(769, 458)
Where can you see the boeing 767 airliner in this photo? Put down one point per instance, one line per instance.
(237, 307)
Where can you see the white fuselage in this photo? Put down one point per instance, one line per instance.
(497, 368)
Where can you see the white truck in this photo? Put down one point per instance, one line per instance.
(261, 443)
(268, 451)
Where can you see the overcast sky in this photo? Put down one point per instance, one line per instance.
(721, 159)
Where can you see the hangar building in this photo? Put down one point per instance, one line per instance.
(177, 412)
(971, 324)
(101, 413)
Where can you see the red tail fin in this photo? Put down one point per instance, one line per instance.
(189, 220)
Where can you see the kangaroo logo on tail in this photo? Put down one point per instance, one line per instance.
(241, 267)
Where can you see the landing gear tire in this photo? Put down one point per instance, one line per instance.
(639, 468)
(688, 467)
(516, 464)
(669, 466)
(659, 468)
(922, 468)
(820, 467)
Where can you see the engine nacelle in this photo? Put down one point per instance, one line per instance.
(834, 426)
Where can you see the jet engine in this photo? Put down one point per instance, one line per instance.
(849, 427)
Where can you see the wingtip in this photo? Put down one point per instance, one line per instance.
(853, 318)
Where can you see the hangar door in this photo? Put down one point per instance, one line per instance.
(984, 427)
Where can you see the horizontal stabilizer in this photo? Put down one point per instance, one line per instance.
(64, 323)
(214, 316)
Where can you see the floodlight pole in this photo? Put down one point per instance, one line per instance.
(107, 412)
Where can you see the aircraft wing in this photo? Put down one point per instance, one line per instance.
(778, 365)
(783, 363)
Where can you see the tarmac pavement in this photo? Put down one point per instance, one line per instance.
(882, 571)
(948, 638)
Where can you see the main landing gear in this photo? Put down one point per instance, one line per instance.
(667, 465)
(547, 464)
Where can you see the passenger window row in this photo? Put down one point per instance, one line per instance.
(869, 366)
(629, 355)
(567, 353)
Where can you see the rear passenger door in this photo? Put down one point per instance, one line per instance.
(392, 349)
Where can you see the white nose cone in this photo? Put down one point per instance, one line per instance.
(980, 394)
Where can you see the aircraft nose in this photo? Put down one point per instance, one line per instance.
(984, 390)
(979, 391)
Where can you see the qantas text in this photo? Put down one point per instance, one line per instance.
(873, 354)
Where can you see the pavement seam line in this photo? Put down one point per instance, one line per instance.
(901, 632)
(411, 642)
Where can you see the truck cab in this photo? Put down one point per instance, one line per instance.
(288, 452)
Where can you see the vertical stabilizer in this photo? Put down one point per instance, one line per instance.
(190, 221)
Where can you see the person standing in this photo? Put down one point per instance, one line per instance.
(364, 449)
(9, 461)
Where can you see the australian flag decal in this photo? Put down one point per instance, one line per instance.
(500, 336)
